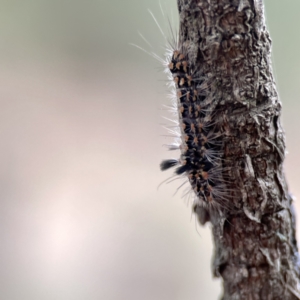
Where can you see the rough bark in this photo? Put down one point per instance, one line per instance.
(255, 246)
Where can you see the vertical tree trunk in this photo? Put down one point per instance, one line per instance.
(227, 43)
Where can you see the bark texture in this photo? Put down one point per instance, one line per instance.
(255, 246)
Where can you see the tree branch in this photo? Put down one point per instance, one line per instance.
(226, 65)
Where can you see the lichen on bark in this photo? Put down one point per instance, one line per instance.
(255, 246)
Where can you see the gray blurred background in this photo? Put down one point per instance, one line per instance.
(81, 140)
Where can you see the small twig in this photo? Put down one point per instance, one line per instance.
(238, 181)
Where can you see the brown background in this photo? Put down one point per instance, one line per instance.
(80, 141)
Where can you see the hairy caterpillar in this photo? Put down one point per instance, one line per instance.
(199, 136)
(201, 140)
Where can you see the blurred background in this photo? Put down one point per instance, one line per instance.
(81, 141)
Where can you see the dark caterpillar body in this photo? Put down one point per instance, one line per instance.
(200, 139)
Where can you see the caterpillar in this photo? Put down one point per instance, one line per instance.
(200, 143)
(199, 136)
